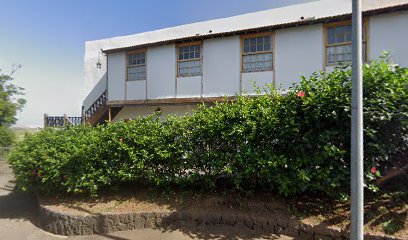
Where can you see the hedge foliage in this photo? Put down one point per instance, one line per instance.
(295, 142)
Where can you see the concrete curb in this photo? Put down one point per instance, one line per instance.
(63, 223)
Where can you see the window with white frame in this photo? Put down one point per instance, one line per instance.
(257, 53)
(339, 43)
(189, 60)
(136, 66)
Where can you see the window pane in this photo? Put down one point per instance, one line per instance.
(189, 52)
(349, 37)
(331, 35)
(348, 29)
(267, 43)
(136, 73)
(189, 68)
(252, 44)
(252, 48)
(340, 34)
(339, 54)
(136, 59)
(257, 62)
(246, 45)
(260, 44)
(257, 44)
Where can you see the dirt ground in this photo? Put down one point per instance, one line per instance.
(383, 214)
(18, 220)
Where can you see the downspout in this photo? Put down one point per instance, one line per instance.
(107, 83)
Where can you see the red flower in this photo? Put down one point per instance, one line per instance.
(120, 139)
(373, 170)
(33, 173)
(300, 94)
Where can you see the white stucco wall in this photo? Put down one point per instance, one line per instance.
(189, 86)
(116, 76)
(161, 72)
(389, 32)
(95, 80)
(278, 16)
(221, 66)
(132, 112)
(298, 51)
(136, 90)
(95, 93)
(260, 79)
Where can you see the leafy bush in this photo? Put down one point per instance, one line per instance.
(7, 136)
(295, 142)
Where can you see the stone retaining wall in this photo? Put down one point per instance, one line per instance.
(66, 224)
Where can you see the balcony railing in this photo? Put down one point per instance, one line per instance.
(60, 121)
(98, 104)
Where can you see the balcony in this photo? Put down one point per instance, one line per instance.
(61, 121)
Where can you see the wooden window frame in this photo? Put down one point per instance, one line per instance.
(272, 51)
(178, 46)
(129, 66)
(343, 23)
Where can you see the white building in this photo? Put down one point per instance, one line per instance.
(175, 68)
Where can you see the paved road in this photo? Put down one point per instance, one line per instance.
(18, 222)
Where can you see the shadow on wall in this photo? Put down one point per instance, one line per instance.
(96, 92)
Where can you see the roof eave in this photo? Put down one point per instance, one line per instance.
(260, 29)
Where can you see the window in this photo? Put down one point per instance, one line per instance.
(189, 60)
(136, 66)
(339, 45)
(257, 53)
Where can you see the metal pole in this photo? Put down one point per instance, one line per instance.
(357, 180)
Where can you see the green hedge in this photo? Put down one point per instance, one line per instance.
(292, 143)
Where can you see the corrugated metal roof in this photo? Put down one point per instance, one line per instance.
(279, 17)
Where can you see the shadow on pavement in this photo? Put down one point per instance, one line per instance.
(15, 204)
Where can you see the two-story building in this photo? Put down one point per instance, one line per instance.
(175, 68)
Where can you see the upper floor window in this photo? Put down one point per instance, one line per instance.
(257, 53)
(339, 43)
(136, 66)
(189, 60)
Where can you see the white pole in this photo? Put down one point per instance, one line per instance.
(357, 179)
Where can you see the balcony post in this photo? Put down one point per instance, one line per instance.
(45, 120)
(65, 119)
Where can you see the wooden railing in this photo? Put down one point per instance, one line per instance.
(60, 121)
(74, 120)
(98, 104)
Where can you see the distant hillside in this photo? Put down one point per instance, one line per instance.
(21, 131)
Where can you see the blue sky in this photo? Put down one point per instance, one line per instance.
(47, 38)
